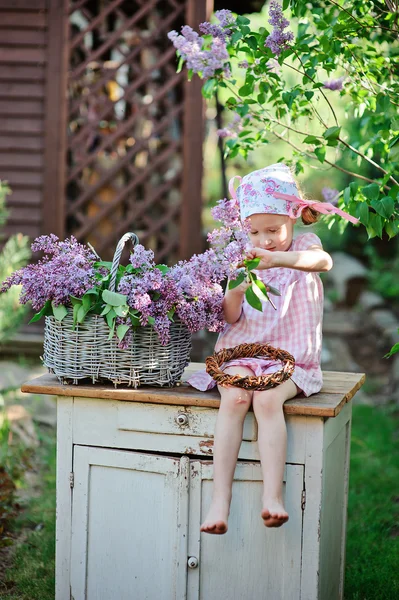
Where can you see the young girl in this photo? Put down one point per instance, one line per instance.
(270, 199)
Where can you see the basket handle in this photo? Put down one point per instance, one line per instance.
(117, 256)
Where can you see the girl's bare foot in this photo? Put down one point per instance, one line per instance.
(216, 519)
(273, 512)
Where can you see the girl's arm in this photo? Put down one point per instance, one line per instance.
(232, 302)
(314, 259)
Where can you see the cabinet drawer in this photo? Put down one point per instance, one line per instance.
(175, 420)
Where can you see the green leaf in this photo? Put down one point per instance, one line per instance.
(75, 300)
(110, 318)
(180, 65)
(163, 268)
(252, 42)
(106, 310)
(121, 331)
(86, 302)
(309, 95)
(311, 139)
(113, 298)
(332, 133)
(252, 264)
(246, 89)
(243, 20)
(253, 299)
(134, 319)
(151, 320)
(81, 313)
(393, 350)
(347, 195)
(363, 212)
(371, 191)
(233, 283)
(392, 228)
(384, 207)
(103, 263)
(46, 310)
(260, 289)
(59, 312)
(374, 226)
(121, 311)
(320, 153)
(76, 309)
(209, 87)
(237, 35)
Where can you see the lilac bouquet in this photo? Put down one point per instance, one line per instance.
(70, 278)
(230, 244)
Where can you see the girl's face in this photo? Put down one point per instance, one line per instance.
(271, 232)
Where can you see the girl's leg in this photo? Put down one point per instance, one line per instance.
(272, 440)
(234, 405)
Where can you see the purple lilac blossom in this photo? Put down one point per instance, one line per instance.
(330, 195)
(67, 270)
(334, 84)
(233, 128)
(204, 62)
(142, 258)
(278, 40)
(222, 30)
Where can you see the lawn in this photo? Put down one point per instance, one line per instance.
(372, 571)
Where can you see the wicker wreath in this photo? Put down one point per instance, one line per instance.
(263, 382)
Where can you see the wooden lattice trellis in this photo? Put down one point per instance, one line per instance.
(133, 132)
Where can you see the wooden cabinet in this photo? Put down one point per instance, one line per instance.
(134, 478)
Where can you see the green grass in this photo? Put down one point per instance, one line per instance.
(31, 576)
(372, 554)
(372, 561)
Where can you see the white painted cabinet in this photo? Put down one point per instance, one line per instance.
(134, 476)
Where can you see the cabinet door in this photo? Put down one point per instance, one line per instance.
(250, 561)
(129, 525)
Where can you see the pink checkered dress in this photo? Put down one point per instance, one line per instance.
(296, 325)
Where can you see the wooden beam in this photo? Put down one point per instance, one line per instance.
(55, 119)
(193, 138)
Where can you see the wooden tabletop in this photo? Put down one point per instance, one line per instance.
(337, 390)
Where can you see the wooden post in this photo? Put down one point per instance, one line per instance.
(193, 138)
(56, 119)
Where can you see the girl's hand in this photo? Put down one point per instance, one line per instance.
(266, 257)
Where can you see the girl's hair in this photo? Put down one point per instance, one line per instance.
(309, 215)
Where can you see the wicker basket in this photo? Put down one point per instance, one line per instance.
(263, 382)
(85, 352)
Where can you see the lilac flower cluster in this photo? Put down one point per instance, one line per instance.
(66, 270)
(230, 242)
(233, 128)
(334, 84)
(224, 29)
(278, 40)
(191, 48)
(330, 195)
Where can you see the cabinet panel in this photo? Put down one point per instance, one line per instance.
(129, 518)
(250, 561)
(163, 418)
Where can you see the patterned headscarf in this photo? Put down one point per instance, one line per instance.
(273, 190)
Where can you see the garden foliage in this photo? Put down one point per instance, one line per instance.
(14, 254)
(346, 48)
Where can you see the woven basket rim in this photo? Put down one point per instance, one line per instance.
(250, 382)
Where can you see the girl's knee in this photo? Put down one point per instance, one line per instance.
(268, 402)
(235, 399)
